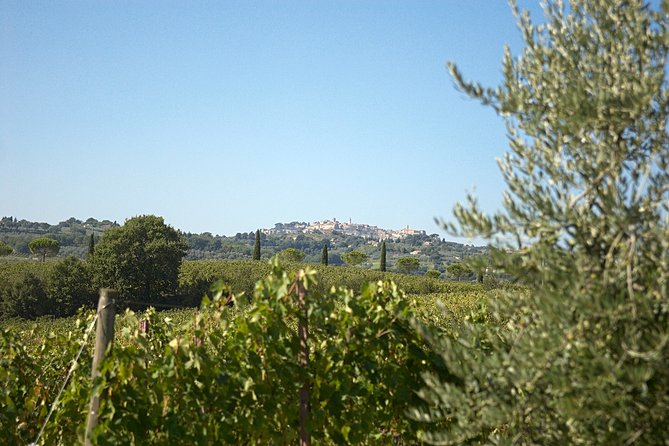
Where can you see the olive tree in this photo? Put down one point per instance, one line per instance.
(140, 259)
(581, 357)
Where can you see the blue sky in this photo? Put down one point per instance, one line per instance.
(231, 116)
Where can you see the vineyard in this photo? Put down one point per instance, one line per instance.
(574, 351)
(229, 373)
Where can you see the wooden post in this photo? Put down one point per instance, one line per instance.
(104, 335)
(303, 333)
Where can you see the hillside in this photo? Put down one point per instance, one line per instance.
(433, 251)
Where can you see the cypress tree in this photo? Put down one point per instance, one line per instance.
(324, 255)
(91, 246)
(256, 247)
(383, 256)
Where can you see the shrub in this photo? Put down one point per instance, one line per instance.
(24, 297)
(69, 287)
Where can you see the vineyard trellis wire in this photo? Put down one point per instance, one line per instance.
(73, 366)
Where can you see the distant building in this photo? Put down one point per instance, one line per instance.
(349, 228)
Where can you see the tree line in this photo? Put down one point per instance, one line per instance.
(141, 259)
(74, 235)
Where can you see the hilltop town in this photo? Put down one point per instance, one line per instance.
(433, 251)
(344, 228)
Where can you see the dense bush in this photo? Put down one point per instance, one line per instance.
(22, 289)
(69, 287)
(24, 297)
(32, 289)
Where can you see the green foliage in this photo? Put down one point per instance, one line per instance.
(408, 265)
(324, 255)
(478, 265)
(582, 357)
(72, 234)
(382, 263)
(5, 249)
(240, 384)
(256, 246)
(291, 255)
(30, 386)
(354, 258)
(91, 246)
(58, 288)
(44, 247)
(140, 259)
(23, 296)
(74, 238)
(69, 287)
(433, 274)
(458, 271)
(196, 276)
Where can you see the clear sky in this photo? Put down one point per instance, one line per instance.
(227, 116)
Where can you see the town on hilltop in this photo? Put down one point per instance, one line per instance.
(350, 228)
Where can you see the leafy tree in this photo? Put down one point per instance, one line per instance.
(382, 265)
(256, 246)
(354, 258)
(458, 270)
(91, 246)
(324, 255)
(408, 265)
(140, 259)
(44, 247)
(291, 255)
(68, 287)
(582, 357)
(23, 296)
(5, 249)
(433, 274)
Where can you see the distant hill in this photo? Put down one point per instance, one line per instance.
(72, 234)
(337, 227)
(433, 251)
